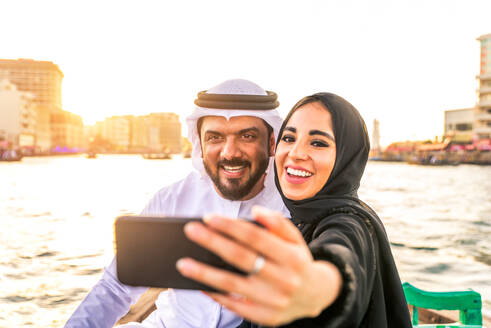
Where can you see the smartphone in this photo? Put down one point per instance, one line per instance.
(147, 249)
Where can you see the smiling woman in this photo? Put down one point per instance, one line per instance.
(306, 152)
(331, 264)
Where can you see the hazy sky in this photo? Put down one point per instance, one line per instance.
(402, 62)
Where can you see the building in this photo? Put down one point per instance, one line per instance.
(482, 116)
(67, 132)
(117, 130)
(375, 148)
(156, 133)
(164, 132)
(41, 78)
(469, 125)
(43, 129)
(18, 116)
(139, 133)
(459, 123)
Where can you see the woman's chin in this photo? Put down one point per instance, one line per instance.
(296, 191)
(294, 195)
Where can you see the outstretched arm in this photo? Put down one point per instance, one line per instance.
(106, 303)
(287, 286)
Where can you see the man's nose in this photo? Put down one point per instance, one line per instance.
(231, 149)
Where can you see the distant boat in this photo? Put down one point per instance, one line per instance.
(186, 154)
(157, 156)
(10, 156)
(91, 155)
(432, 161)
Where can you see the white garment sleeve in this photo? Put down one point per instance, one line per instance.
(109, 300)
(106, 303)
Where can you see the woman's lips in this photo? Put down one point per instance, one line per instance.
(295, 179)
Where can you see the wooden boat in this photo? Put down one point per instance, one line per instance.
(10, 156)
(426, 303)
(434, 316)
(432, 161)
(157, 156)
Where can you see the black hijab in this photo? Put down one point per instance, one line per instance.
(352, 147)
(339, 195)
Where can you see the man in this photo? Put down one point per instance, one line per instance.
(233, 131)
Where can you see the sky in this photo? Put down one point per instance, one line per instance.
(401, 62)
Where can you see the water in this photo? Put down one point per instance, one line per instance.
(57, 214)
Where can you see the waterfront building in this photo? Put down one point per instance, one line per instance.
(41, 78)
(471, 125)
(139, 133)
(458, 124)
(482, 117)
(375, 148)
(164, 132)
(43, 129)
(117, 130)
(156, 132)
(98, 129)
(67, 132)
(18, 116)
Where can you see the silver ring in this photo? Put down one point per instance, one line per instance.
(258, 265)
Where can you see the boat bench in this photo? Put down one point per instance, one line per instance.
(468, 303)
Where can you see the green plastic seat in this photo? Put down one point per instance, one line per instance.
(468, 303)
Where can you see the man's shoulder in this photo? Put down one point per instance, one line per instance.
(192, 183)
(174, 198)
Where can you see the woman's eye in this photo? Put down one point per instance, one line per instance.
(288, 138)
(319, 143)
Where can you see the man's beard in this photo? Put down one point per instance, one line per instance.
(233, 190)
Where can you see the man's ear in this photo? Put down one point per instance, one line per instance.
(271, 144)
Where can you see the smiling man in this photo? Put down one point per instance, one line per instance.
(236, 154)
(232, 129)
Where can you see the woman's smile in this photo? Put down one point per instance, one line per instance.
(297, 174)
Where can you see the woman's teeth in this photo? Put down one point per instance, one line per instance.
(298, 173)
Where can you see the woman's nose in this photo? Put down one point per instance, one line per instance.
(298, 152)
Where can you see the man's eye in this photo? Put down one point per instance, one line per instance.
(248, 136)
(288, 138)
(319, 143)
(212, 138)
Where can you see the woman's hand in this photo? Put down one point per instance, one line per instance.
(290, 284)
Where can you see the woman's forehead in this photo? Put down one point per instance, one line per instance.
(311, 116)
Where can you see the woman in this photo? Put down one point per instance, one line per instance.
(339, 272)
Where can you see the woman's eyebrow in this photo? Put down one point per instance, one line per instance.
(322, 133)
(291, 128)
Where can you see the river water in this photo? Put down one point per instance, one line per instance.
(57, 214)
